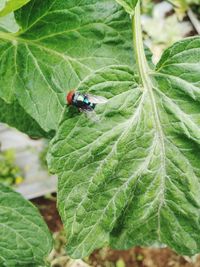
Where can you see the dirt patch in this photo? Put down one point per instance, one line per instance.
(48, 209)
(140, 257)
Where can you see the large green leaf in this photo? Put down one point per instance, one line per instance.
(133, 178)
(60, 44)
(129, 5)
(24, 237)
(8, 6)
(15, 116)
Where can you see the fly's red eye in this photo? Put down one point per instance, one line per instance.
(69, 97)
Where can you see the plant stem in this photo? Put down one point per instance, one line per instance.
(141, 61)
(147, 83)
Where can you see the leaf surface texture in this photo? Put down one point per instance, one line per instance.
(24, 237)
(60, 44)
(133, 177)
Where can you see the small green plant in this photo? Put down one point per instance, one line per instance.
(132, 178)
(10, 173)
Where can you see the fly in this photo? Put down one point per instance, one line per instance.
(85, 102)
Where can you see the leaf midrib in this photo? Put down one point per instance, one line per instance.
(147, 84)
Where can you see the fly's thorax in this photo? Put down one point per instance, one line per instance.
(78, 97)
(82, 101)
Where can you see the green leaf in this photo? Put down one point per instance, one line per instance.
(15, 116)
(24, 237)
(60, 43)
(8, 6)
(83, 154)
(129, 5)
(133, 178)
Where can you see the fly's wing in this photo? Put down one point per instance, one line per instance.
(91, 115)
(97, 99)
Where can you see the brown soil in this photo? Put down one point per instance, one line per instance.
(140, 257)
(135, 257)
(48, 209)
